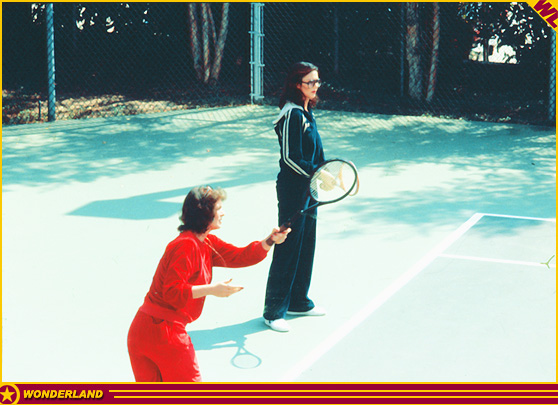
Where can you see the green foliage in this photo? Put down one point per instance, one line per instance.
(514, 24)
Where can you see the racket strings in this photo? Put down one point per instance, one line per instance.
(333, 181)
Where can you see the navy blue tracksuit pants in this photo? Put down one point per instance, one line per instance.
(291, 269)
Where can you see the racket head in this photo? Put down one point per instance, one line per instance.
(245, 360)
(357, 185)
(333, 180)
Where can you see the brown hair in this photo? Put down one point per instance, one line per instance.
(197, 210)
(291, 92)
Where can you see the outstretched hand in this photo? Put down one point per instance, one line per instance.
(225, 289)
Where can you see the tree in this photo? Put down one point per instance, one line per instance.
(434, 56)
(422, 82)
(207, 44)
(412, 50)
(514, 24)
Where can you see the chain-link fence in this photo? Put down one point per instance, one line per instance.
(125, 58)
(485, 61)
(489, 61)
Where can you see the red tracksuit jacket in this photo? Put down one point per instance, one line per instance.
(187, 262)
(163, 351)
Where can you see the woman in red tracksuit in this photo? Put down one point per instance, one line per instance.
(159, 347)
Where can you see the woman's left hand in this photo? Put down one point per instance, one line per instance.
(328, 181)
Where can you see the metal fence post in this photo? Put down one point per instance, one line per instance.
(50, 62)
(256, 53)
(552, 80)
(402, 52)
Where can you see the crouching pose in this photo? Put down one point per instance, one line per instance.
(158, 344)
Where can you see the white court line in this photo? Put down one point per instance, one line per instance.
(365, 312)
(485, 259)
(519, 217)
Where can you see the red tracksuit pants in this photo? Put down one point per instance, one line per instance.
(161, 351)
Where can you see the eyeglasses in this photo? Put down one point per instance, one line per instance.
(313, 83)
(205, 190)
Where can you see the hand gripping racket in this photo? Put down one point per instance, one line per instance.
(332, 181)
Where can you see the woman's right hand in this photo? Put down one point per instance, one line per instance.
(276, 238)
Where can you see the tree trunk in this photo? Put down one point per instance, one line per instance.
(220, 44)
(412, 44)
(485, 50)
(432, 74)
(194, 39)
(205, 42)
(207, 45)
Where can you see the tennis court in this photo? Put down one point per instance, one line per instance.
(441, 269)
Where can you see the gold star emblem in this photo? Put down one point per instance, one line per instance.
(6, 394)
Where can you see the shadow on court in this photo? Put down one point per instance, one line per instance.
(423, 171)
(87, 150)
(88, 207)
(153, 205)
(231, 336)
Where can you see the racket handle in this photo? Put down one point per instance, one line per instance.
(269, 242)
(282, 228)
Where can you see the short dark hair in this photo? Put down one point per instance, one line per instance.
(291, 92)
(197, 210)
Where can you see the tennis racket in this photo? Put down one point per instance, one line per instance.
(332, 181)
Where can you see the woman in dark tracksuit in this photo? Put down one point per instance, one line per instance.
(301, 153)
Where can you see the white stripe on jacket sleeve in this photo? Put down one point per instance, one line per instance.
(285, 140)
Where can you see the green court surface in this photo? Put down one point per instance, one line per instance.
(441, 269)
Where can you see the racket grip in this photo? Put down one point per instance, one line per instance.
(282, 228)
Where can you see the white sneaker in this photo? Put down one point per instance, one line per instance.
(278, 325)
(316, 311)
